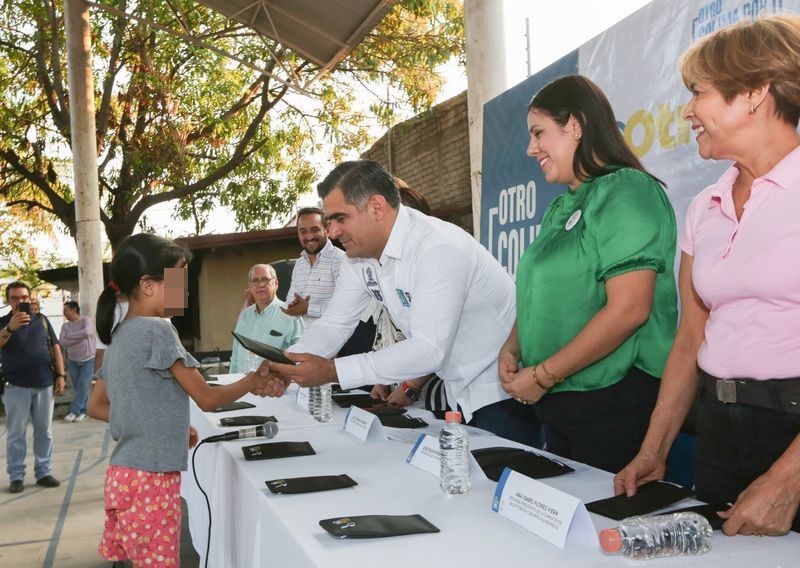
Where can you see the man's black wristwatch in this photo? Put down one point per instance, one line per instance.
(411, 393)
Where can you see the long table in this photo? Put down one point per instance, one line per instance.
(252, 527)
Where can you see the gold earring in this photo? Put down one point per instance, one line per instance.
(752, 109)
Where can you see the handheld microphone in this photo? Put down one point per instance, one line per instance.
(266, 430)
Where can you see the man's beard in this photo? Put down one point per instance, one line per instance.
(319, 247)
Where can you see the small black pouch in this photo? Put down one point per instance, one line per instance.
(348, 399)
(377, 526)
(294, 485)
(246, 420)
(494, 460)
(707, 511)
(274, 450)
(401, 421)
(649, 497)
(238, 405)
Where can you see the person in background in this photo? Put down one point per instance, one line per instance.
(143, 392)
(33, 369)
(36, 307)
(596, 300)
(739, 335)
(78, 337)
(315, 273)
(264, 321)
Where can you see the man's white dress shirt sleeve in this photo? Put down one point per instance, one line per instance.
(440, 280)
(327, 335)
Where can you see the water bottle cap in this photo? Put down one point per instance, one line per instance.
(610, 540)
(452, 416)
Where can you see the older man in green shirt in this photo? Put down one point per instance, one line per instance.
(264, 321)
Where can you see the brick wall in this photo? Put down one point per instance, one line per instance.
(431, 153)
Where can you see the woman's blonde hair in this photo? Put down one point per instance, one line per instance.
(748, 55)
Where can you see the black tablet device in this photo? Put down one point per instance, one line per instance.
(262, 349)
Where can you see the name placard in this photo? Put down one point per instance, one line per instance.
(553, 515)
(363, 425)
(302, 397)
(427, 456)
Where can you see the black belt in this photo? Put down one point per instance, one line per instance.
(779, 395)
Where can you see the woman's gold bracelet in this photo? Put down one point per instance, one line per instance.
(551, 376)
(537, 381)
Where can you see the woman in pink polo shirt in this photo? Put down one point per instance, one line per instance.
(739, 333)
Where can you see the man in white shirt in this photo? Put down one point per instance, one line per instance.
(451, 299)
(316, 271)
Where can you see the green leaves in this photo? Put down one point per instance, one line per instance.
(180, 123)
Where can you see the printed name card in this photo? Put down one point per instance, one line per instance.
(363, 425)
(553, 515)
(427, 456)
(302, 397)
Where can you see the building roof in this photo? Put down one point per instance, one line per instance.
(212, 242)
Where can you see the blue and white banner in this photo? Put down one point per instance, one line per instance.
(636, 64)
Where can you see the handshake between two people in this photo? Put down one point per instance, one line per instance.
(306, 370)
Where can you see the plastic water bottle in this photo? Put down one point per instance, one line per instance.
(643, 538)
(454, 445)
(319, 403)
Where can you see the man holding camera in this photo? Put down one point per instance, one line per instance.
(34, 372)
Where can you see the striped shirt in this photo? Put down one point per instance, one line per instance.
(318, 281)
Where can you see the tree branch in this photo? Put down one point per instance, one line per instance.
(59, 113)
(55, 56)
(30, 204)
(250, 95)
(108, 81)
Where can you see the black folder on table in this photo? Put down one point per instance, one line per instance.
(238, 405)
(262, 349)
(295, 485)
(277, 450)
(241, 421)
(377, 526)
(649, 497)
(494, 460)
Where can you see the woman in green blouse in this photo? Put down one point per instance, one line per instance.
(596, 300)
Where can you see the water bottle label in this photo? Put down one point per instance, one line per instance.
(555, 516)
(363, 425)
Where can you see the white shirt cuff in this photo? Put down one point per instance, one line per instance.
(348, 370)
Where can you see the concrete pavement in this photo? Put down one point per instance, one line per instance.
(61, 526)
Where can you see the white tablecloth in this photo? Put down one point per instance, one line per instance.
(253, 527)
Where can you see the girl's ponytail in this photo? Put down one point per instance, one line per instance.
(106, 306)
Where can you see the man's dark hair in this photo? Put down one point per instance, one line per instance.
(359, 180)
(73, 305)
(16, 284)
(303, 211)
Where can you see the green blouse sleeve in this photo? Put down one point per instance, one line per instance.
(628, 220)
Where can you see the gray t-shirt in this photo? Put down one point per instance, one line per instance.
(149, 409)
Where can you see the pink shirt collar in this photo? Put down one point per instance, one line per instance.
(784, 175)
